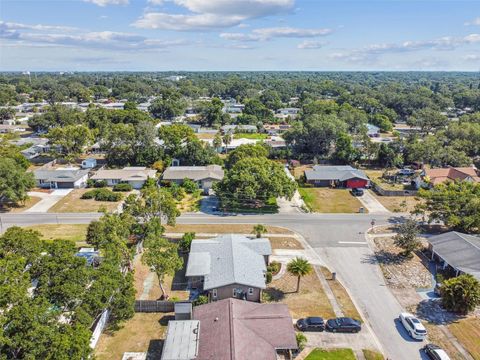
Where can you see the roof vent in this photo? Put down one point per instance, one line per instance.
(216, 319)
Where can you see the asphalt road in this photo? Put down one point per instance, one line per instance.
(339, 240)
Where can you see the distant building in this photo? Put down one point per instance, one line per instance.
(135, 176)
(89, 163)
(373, 131)
(229, 266)
(432, 177)
(336, 176)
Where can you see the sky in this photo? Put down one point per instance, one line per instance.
(239, 35)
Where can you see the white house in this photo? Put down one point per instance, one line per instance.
(135, 176)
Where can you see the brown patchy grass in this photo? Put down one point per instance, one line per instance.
(73, 232)
(223, 229)
(372, 355)
(398, 203)
(436, 336)
(285, 243)
(73, 203)
(311, 300)
(298, 171)
(467, 332)
(32, 200)
(142, 272)
(205, 136)
(376, 176)
(343, 299)
(326, 200)
(141, 333)
(191, 202)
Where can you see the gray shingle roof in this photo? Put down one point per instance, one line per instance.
(229, 259)
(459, 250)
(341, 173)
(195, 173)
(60, 175)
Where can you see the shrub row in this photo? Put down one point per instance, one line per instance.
(124, 187)
(102, 195)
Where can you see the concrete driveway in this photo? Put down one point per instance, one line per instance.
(48, 200)
(372, 204)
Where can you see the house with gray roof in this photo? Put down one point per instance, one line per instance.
(229, 266)
(181, 341)
(136, 176)
(61, 178)
(336, 176)
(204, 176)
(458, 251)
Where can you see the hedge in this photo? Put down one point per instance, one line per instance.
(102, 195)
(123, 187)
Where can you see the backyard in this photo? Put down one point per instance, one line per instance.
(376, 177)
(253, 136)
(144, 332)
(74, 203)
(326, 200)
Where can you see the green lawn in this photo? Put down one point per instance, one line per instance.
(340, 354)
(254, 136)
(326, 200)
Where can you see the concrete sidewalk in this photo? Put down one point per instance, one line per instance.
(48, 200)
(372, 204)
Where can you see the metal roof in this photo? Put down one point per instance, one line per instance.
(462, 251)
(60, 175)
(229, 259)
(341, 173)
(195, 173)
(181, 342)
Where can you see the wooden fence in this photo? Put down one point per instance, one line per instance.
(154, 306)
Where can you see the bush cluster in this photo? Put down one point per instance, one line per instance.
(102, 195)
(124, 187)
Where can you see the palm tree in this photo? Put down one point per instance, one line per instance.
(259, 229)
(299, 267)
(227, 139)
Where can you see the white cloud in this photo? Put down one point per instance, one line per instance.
(156, 2)
(473, 22)
(263, 34)
(108, 40)
(108, 2)
(472, 57)
(308, 44)
(371, 52)
(5, 26)
(212, 14)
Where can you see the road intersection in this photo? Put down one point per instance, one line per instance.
(337, 239)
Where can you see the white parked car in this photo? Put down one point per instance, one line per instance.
(413, 326)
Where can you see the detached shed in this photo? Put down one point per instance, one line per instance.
(183, 311)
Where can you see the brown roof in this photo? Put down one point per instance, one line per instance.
(438, 176)
(233, 329)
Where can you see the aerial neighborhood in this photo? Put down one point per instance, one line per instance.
(260, 216)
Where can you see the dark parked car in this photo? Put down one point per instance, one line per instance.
(357, 192)
(343, 324)
(435, 352)
(311, 324)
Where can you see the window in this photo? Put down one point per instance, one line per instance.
(250, 291)
(214, 293)
(234, 292)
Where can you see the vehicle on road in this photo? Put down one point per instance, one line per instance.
(435, 352)
(413, 326)
(357, 192)
(311, 324)
(343, 324)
